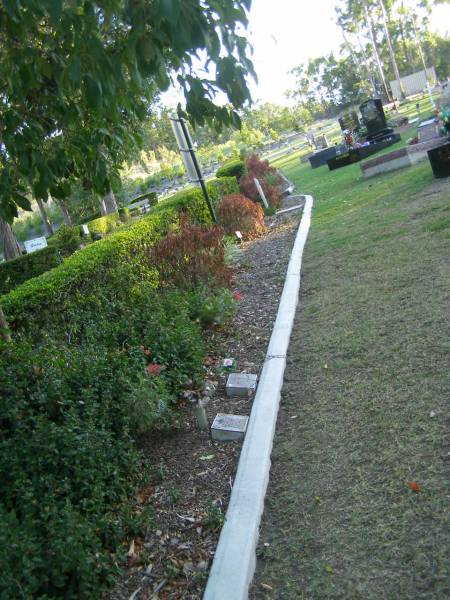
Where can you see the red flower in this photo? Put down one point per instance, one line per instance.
(237, 295)
(414, 486)
(147, 351)
(153, 369)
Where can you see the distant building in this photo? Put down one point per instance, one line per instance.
(414, 83)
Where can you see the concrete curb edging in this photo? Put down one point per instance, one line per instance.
(235, 557)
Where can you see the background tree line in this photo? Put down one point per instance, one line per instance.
(382, 40)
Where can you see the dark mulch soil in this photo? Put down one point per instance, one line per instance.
(192, 474)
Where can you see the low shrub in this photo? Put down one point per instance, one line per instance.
(238, 213)
(192, 202)
(124, 214)
(18, 270)
(66, 239)
(87, 276)
(68, 412)
(268, 178)
(104, 225)
(215, 307)
(191, 256)
(232, 168)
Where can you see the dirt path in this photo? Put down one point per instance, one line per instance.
(356, 506)
(188, 492)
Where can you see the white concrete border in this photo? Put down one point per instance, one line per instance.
(235, 557)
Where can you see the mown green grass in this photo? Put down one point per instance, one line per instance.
(365, 397)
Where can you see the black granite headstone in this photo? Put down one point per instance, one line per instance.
(373, 118)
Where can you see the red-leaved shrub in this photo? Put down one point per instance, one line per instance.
(268, 178)
(238, 213)
(191, 256)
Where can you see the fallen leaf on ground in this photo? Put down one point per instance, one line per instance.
(144, 494)
(207, 457)
(414, 486)
(265, 586)
(328, 568)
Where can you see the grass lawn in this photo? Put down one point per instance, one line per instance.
(365, 396)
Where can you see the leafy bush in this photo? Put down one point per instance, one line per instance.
(66, 239)
(124, 214)
(191, 256)
(67, 465)
(238, 213)
(104, 225)
(268, 178)
(18, 270)
(100, 352)
(192, 202)
(234, 168)
(213, 307)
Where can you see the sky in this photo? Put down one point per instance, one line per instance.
(286, 33)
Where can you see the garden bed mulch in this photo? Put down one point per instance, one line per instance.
(193, 475)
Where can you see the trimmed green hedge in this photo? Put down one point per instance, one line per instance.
(104, 225)
(18, 270)
(192, 202)
(233, 168)
(38, 301)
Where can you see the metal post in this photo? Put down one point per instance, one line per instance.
(197, 169)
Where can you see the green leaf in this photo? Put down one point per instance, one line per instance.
(75, 71)
(93, 91)
(22, 201)
(54, 9)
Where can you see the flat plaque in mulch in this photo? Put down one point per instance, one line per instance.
(229, 427)
(193, 474)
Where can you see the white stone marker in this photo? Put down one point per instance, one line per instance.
(35, 244)
(241, 384)
(261, 193)
(228, 427)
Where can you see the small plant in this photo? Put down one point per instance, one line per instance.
(238, 213)
(174, 494)
(214, 517)
(172, 570)
(161, 472)
(217, 308)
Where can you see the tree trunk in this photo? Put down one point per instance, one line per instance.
(4, 329)
(48, 230)
(66, 215)
(11, 248)
(108, 204)
(391, 49)
(370, 26)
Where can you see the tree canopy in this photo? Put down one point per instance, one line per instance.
(78, 78)
(326, 83)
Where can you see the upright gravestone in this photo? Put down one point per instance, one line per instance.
(321, 142)
(374, 119)
(428, 130)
